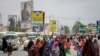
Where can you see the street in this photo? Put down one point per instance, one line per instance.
(20, 52)
(16, 53)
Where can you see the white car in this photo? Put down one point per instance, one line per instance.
(13, 39)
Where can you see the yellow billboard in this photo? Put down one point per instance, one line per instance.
(38, 16)
(52, 25)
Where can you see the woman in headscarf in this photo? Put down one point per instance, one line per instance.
(96, 47)
(30, 44)
(67, 45)
(36, 48)
(55, 49)
(79, 47)
(88, 49)
(4, 45)
(45, 51)
(61, 46)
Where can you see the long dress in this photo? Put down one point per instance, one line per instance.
(4, 45)
(55, 51)
(88, 49)
(96, 49)
(62, 52)
(34, 51)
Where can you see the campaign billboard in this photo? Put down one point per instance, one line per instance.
(38, 21)
(52, 25)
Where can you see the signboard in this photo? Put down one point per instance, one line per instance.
(98, 25)
(82, 29)
(53, 25)
(26, 9)
(38, 16)
(37, 26)
(25, 25)
(38, 21)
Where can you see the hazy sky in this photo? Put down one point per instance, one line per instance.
(65, 11)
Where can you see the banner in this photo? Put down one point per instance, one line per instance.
(98, 25)
(38, 16)
(53, 25)
(38, 21)
(82, 29)
(26, 9)
(25, 25)
(37, 26)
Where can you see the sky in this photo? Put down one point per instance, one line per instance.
(66, 12)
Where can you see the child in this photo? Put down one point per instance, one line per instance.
(9, 49)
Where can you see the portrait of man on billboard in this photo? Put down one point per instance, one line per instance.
(26, 11)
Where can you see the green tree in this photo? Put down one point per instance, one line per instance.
(11, 28)
(66, 29)
(77, 26)
(18, 28)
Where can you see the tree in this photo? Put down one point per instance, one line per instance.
(18, 26)
(66, 29)
(77, 26)
(11, 28)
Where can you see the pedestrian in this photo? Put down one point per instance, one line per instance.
(79, 47)
(88, 49)
(35, 50)
(30, 44)
(55, 50)
(21, 40)
(51, 42)
(45, 50)
(67, 45)
(4, 45)
(83, 42)
(61, 46)
(96, 47)
(9, 49)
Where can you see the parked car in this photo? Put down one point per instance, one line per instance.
(13, 39)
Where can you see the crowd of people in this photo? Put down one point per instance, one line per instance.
(59, 46)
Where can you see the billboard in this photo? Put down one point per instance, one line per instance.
(12, 19)
(38, 16)
(98, 25)
(38, 21)
(26, 9)
(37, 26)
(52, 25)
